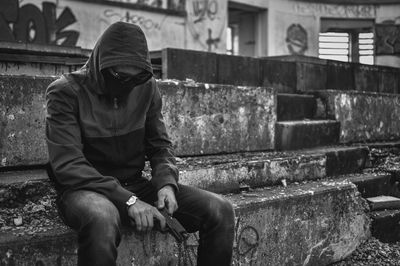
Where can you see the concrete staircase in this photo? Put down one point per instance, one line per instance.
(283, 158)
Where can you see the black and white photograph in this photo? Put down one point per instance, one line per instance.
(199, 132)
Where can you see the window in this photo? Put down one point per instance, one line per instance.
(350, 46)
(334, 46)
(366, 48)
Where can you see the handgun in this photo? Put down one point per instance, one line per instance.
(174, 227)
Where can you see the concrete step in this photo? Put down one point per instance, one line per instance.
(39, 59)
(385, 225)
(292, 135)
(201, 119)
(295, 106)
(218, 173)
(383, 202)
(375, 184)
(314, 223)
(363, 116)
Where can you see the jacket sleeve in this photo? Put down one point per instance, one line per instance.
(159, 147)
(63, 134)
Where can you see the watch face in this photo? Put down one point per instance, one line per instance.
(131, 201)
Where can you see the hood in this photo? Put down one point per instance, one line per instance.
(121, 44)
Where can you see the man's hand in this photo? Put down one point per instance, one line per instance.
(166, 198)
(143, 215)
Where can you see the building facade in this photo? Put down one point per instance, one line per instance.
(366, 31)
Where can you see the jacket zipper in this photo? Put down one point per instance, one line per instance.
(115, 106)
(115, 115)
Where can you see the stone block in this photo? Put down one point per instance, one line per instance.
(374, 184)
(200, 118)
(291, 135)
(295, 107)
(311, 76)
(210, 119)
(364, 117)
(346, 160)
(385, 225)
(238, 70)
(225, 175)
(384, 202)
(22, 118)
(366, 77)
(310, 224)
(280, 75)
(220, 174)
(389, 80)
(340, 76)
(183, 64)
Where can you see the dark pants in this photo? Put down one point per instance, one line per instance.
(98, 223)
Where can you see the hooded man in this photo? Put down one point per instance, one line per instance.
(102, 121)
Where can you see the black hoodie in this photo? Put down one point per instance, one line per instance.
(95, 141)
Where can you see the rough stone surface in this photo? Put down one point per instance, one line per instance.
(35, 69)
(22, 118)
(238, 70)
(295, 107)
(306, 224)
(255, 172)
(279, 75)
(207, 119)
(292, 135)
(364, 116)
(346, 160)
(220, 174)
(187, 64)
(373, 253)
(200, 118)
(374, 184)
(366, 77)
(340, 75)
(385, 225)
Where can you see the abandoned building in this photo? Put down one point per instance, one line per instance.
(289, 108)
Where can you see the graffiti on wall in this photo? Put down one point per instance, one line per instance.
(29, 24)
(342, 11)
(388, 37)
(206, 22)
(296, 39)
(144, 22)
(178, 5)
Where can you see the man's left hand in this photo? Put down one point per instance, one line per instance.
(166, 198)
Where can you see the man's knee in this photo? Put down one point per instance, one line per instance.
(221, 211)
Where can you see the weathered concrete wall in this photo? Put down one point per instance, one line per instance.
(200, 118)
(364, 116)
(310, 224)
(301, 74)
(206, 119)
(22, 118)
(34, 69)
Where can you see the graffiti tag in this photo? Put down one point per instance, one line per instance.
(29, 24)
(205, 8)
(127, 16)
(348, 11)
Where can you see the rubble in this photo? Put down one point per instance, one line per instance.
(373, 253)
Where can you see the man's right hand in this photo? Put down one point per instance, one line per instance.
(143, 215)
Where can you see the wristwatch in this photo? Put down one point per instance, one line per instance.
(131, 201)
